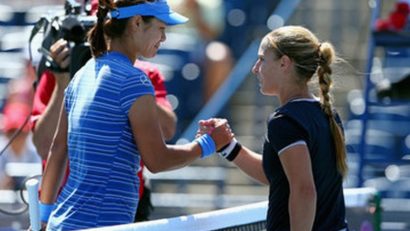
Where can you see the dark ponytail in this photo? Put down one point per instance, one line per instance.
(96, 36)
(111, 28)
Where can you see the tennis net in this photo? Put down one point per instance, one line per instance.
(253, 216)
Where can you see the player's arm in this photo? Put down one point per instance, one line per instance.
(56, 162)
(248, 161)
(251, 163)
(167, 121)
(158, 156)
(55, 168)
(167, 117)
(289, 139)
(302, 199)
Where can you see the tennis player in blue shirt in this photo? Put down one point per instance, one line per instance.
(109, 121)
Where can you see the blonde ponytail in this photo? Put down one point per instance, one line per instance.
(326, 56)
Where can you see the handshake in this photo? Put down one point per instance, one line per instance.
(216, 134)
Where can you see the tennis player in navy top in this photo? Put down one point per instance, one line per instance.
(304, 159)
(109, 122)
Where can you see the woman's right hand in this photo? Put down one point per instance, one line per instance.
(205, 127)
(218, 129)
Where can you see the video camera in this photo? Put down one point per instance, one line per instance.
(72, 27)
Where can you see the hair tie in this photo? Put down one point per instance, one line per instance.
(320, 57)
(102, 13)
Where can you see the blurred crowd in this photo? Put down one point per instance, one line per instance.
(15, 139)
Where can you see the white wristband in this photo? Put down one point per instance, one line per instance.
(226, 151)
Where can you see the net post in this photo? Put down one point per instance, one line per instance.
(34, 209)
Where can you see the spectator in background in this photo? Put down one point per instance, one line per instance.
(15, 116)
(204, 27)
(247, 18)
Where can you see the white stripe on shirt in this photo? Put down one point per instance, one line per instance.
(291, 145)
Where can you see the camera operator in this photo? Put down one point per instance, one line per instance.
(49, 98)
